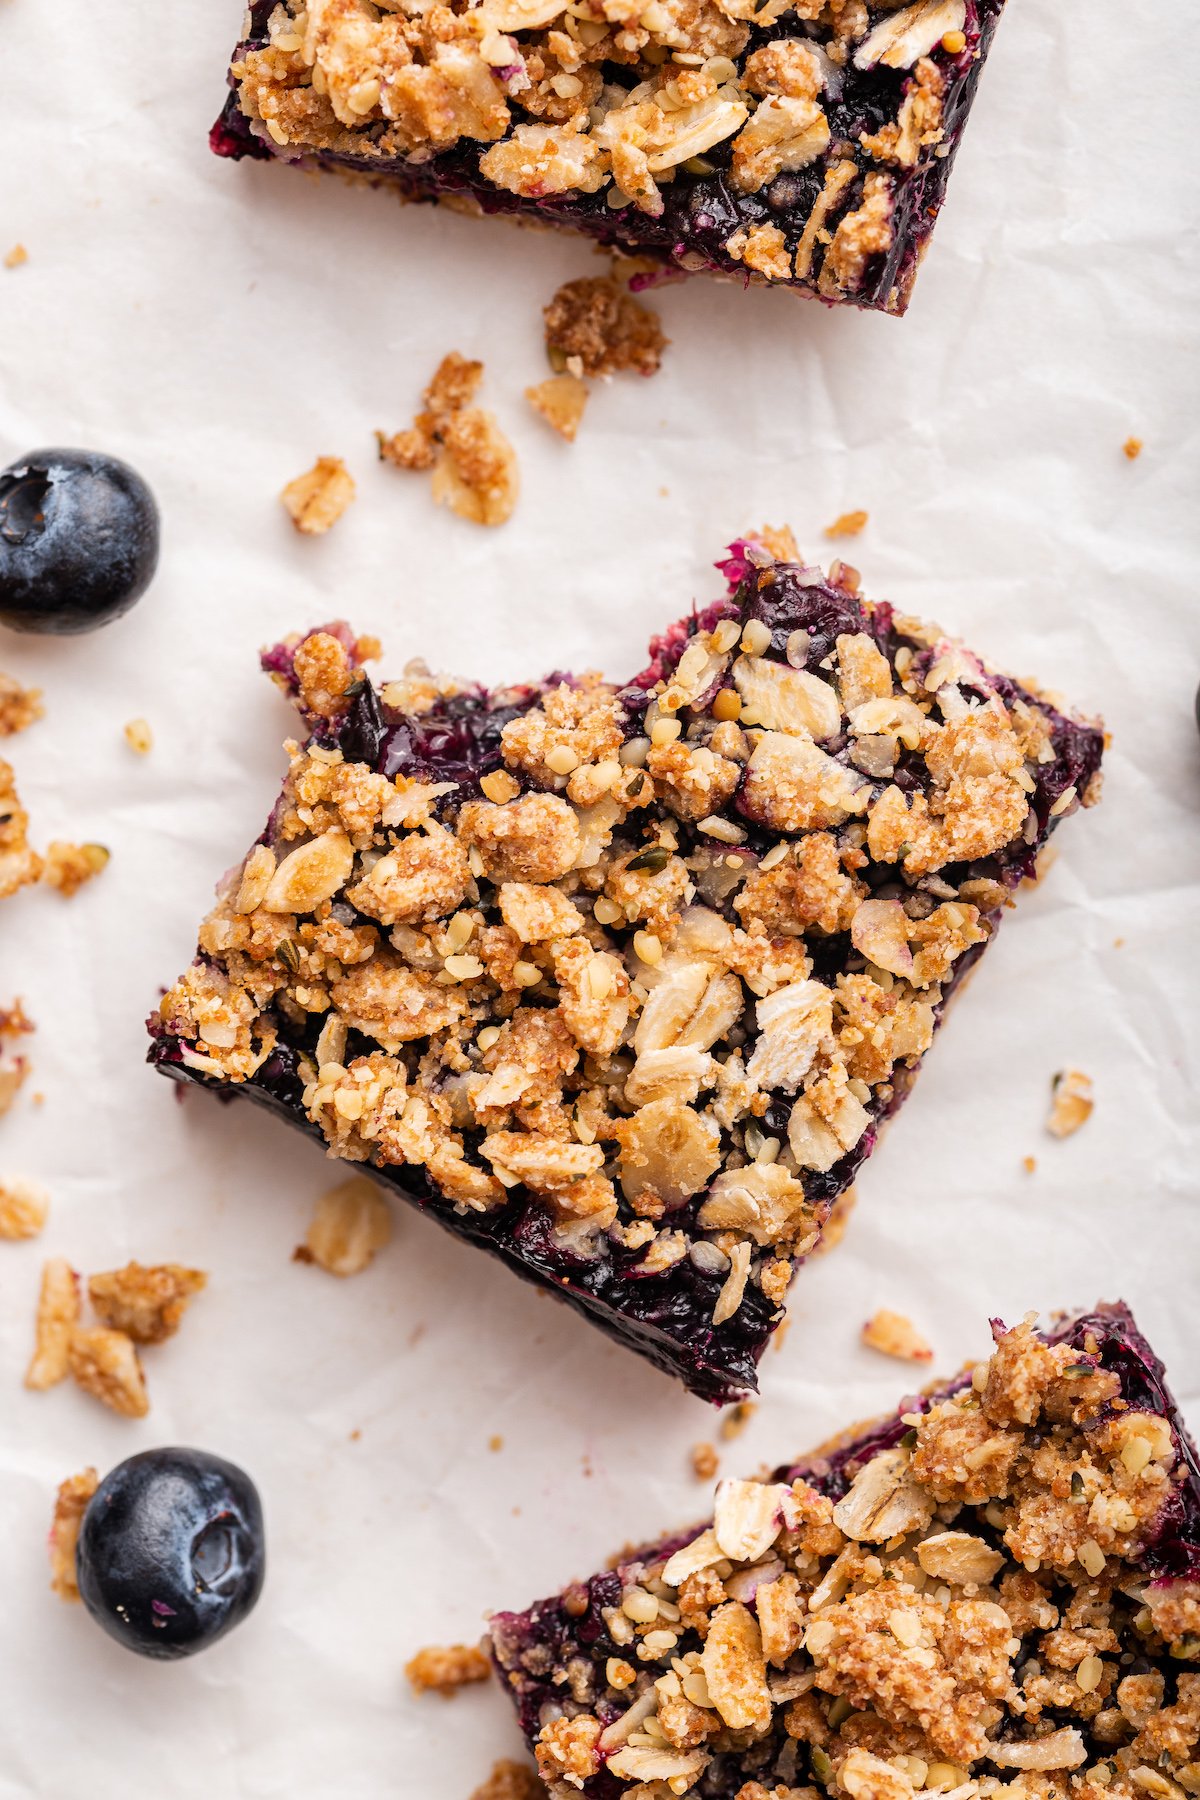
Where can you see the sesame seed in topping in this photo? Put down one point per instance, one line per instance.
(1136, 1452)
(459, 930)
(1091, 1556)
(774, 857)
(597, 977)
(647, 947)
(727, 705)
(797, 648)
(665, 731)
(756, 638)
(606, 911)
(639, 1606)
(633, 754)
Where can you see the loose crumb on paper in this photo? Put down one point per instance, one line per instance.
(1071, 1102)
(23, 1204)
(847, 524)
(147, 1304)
(594, 327)
(68, 866)
(17, 257)
(737, 1419)
(560, 400)
(444, 1668)
(316, 500)
(106, 1365)
(19, 706)
(19, 863)
(894, 1334)
(70, 1504)
(474, 465)
(511, 1781)
(57, 1317)
(139, 736)
(351, 1222)
(705, 1461)
(495, 1443)
(1029, 1164)
(835, 1225)
(1133, 447)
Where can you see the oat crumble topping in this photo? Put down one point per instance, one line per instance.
(626, 978)
(19, 864)
(67, 867)
(316, 500)
(1072, 1103)
(147, 1304)
(443, 1669)
(996, 1592)
(474, 465)
(19, 707)
(136, 1305)
(70, 1504)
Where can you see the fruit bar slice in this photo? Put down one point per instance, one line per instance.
(621, 983)
(997, 1589)
(808, 146)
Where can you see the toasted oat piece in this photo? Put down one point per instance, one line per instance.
(68, 866)
(106, 1365)
(146, 1304)
(511, 1781)
(560, 400)
(17, 257)
(595, 327)
(1071, 1102)
(1133, 447)
(351, 1222)
(139, 736)
(894, 1334)
(19, 865)
(316, 500)
(70, 1504)
(23, 1204)
(847, 524)
(443, 1669)
(705, 1461)
(19, 706)
(13, 1070)
(57, 1317)
(474, 465)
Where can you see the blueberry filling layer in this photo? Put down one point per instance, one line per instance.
(996, 1588)
(621, 983)
(808, 146)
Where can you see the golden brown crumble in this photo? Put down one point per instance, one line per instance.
(19, 864)
(147, 1304)
(19, 706)
(17, 257)
(139, 736)
(443, 1669)
(705, 1461)
(594, 327)
(474, 465)
(70, 1504)
(510, 1781)
(847, 524)
(893, 1334)
(68, 866)
(351, 1223)
(1072, 1103)
(23, 1205)
(1133, 447)
(560, 400)
(316, 500)
(106, 1365)
(57, 1317)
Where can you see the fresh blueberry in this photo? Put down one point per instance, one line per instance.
(78, 540)
(171, 1552)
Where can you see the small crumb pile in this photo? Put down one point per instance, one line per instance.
(474, 465)
(894, 1334)
(444, 1668)
(351, 1222)
(1071, 1102)
(65, 866)
(593, 328)
(14, 1023)
(317, 499)
(135, 1305)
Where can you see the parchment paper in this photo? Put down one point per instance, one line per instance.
(220, 327)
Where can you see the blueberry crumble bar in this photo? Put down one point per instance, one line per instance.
(807, 144)
(620, 983)
(996, 1590)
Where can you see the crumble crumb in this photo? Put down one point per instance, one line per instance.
(705, 1461)
(146, 1304)
(895, 1335)
(106, 1365)
(139, 736)
(593, 327)
(19, 706)
(23, 1204)
(351, 1222)
(70, 1504)
(496, 1442)
(57, 1317)
(1133, 447)
(736, 1419)
(847, 524)
(474, 465)
(560, 400)
(443, 1669)
(68, 866)
(14, 1020)
(1071, 1102)
(316, 500)
(19, 864)
(1029, 1164)
(511, 1781)
(17, 257)
(13, 1070)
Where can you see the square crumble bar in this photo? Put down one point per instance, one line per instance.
(621, 984)
(807, 146)
(995, 1591)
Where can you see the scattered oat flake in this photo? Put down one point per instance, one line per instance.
(57, 1317)
(147, 1304)
(1071, 1102)
(847, 524)
(106, 1365)
(560, 400)
(1132, 447)
(445, 1668)
(19, 706)
(894, 1334)
(67, 866)
(139, 736)
(317, 500)
(511, 1781)
(593, 327)
(23, 1204)
(737, 1419)
(351, 1222)
(705, 1461)
(17, 257)
(70, 1504)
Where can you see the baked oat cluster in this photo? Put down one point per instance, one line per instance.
(998, 1592)
(621, 982)
(803, 143)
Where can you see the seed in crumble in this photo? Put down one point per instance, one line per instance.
(70, 1504)
(20, 707)
(68, 866)
(1071, 1103)
(139, 736)
(893, 1334)
(443, 1669)
(24, 1205)
(316, 500)
(847, 524)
